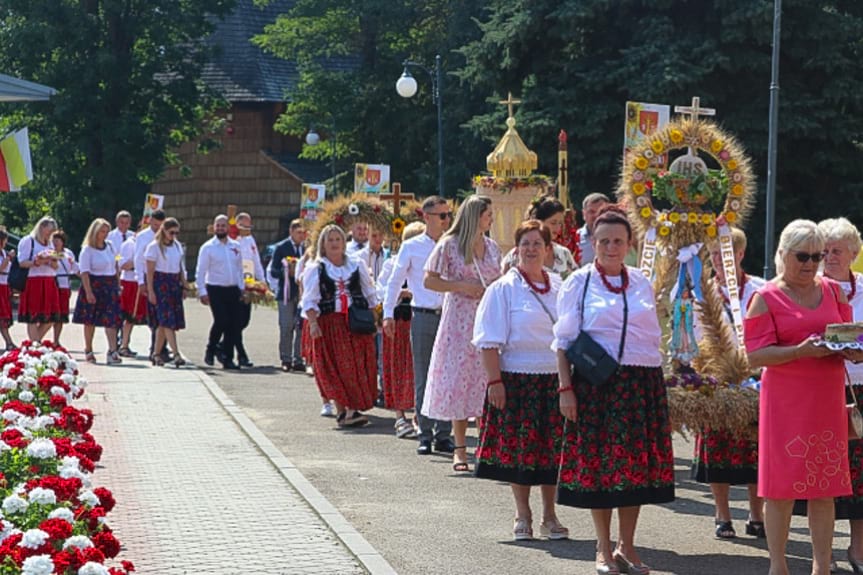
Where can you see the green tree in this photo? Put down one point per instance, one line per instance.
(349, 55)
(578, 61)
(129, 92)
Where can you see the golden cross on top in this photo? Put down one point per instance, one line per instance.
(510, 102)
(695, 110)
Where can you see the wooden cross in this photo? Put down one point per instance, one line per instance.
(397, 197)
(694, 111)
(510, 102)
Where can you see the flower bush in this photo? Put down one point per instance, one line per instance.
(52, 519)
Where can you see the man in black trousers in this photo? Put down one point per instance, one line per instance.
(285, 258)
(219, 277)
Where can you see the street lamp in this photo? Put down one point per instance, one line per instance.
(406, 86)
(772, 143)
(313, 139)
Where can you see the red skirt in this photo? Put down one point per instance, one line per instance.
(306, 345)
(344, 362)
(398, 371)
(133, 304)
(5, 304)
(40, 302)
(65, 296)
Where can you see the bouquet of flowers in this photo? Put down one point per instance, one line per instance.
(53, 519)
(258, 293)
(697, 402)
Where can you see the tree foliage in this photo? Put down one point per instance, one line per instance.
(127, 73)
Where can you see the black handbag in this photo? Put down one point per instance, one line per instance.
(588, 358)
(361, 320)
(17, 275)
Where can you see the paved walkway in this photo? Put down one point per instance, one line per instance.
(195, 494)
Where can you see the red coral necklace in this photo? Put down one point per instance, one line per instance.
(533, 286)
(624, 276)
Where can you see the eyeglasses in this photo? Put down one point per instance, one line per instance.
(443, 215)
(804, 257)
(174, 233)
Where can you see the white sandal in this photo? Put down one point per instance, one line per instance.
(553, 530)
(522, 530)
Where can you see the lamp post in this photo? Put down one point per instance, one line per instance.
(406, 86)
(772, 142)
(313, 139)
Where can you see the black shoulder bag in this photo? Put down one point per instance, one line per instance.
(18, 275)
(588, 358)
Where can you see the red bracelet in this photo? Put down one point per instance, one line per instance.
(494, 382)
(562, 389)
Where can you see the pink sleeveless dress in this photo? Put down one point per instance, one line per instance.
(802, 428)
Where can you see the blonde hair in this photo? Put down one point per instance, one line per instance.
(841, 230)
(465, 228)
(161, 236)
(795, 234)
(413, 229)
(43, 222)
(93, 231)
(322, 238)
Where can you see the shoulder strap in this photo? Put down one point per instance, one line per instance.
(625, 316)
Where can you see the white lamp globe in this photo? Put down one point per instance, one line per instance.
(312, 138)
(406, 85)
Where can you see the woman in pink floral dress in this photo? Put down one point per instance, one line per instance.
(462, 265)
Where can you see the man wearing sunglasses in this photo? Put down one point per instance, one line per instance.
(426, 308)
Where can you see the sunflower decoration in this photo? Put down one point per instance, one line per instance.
(398, 226)
(345, 211)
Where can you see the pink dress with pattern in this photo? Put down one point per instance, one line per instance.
(802, 428)
(455, 388)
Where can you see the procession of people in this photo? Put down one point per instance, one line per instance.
(467, 334)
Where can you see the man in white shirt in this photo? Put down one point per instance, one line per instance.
(144, 239)
(219, 276)
(251, 261)
(359, 237)
(121, 231)
(590, 208)
(426, 306)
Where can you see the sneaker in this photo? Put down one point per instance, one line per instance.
(328, 410)
(112, 358)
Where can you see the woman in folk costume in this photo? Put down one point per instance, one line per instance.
(617, 453)
(841, 246)
(722, 458)
(397, 359)
(345, 366)
(66, 268)
(98, 302)
(522, 426)
(463, 263)
(166, 278)
(39, 305)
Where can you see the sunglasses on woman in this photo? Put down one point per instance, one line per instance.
(804, 257)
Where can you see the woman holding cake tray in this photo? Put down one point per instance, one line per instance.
(841, 245)
(802, 428)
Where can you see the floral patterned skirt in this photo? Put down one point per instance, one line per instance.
(345, 366)
(5, 304)
(168, 311)
(722, 457)
(306, 344)
(133, 303)
(521, 442)
(618, 453)
(398, 368)
(105, 311)
(40, 302)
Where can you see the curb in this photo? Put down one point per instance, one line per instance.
(367, 555)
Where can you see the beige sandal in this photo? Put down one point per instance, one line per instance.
(553, 530)
(522, 530)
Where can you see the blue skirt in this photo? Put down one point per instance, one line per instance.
(168, 311)
(105, 312)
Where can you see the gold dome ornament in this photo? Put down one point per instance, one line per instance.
(511, 158)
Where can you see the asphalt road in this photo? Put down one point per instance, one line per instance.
(425, 519)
